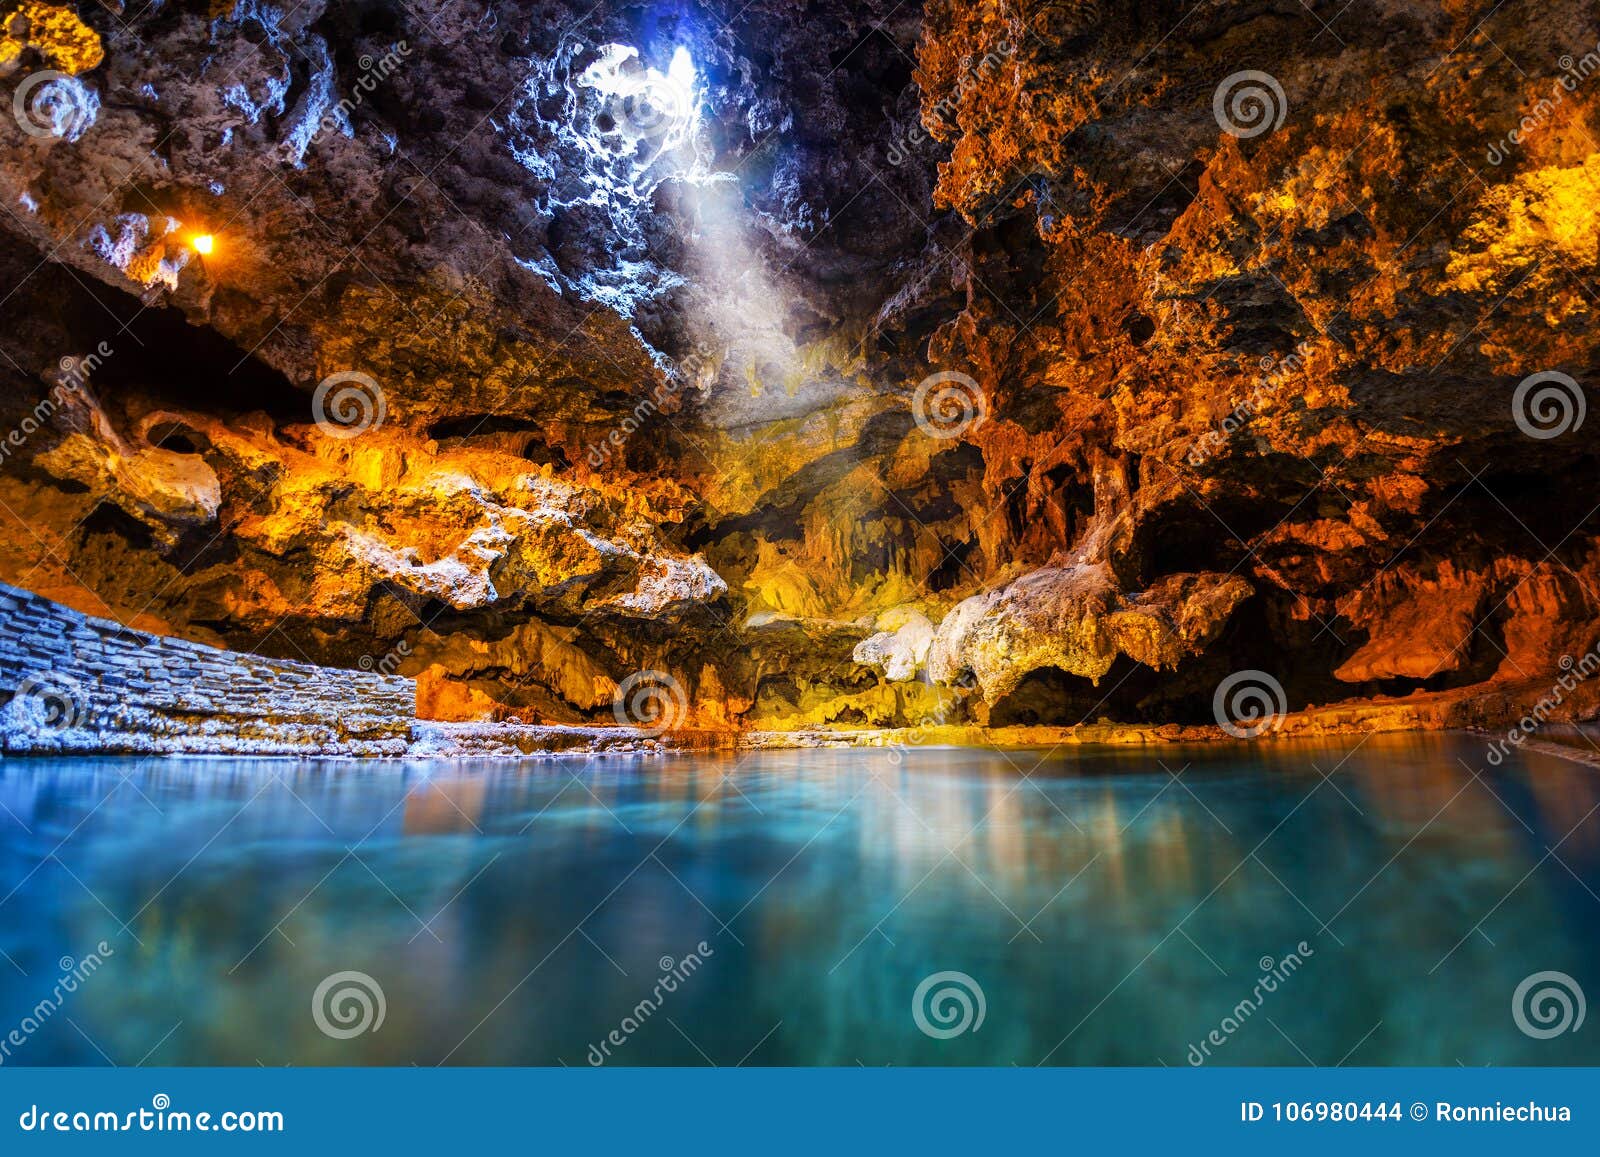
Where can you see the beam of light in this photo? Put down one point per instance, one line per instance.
(742, 310)
(681, 74)
(204, 243)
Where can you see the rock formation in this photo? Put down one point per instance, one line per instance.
(861, 364)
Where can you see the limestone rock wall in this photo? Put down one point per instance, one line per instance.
(999, 362)
(71, 683)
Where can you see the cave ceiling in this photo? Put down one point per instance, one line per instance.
(853, 364)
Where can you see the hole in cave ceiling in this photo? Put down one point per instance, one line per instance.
(647, 119)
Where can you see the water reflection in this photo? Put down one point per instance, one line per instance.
(1113, 904)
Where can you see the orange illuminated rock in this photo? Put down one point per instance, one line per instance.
(54, 31)
(1237, 397)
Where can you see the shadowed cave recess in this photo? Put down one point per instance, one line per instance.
(837, 365)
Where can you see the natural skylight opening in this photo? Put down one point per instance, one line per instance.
(644, 105)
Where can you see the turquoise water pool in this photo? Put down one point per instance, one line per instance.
(1300, 902)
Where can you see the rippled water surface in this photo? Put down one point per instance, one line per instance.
(1113, 906)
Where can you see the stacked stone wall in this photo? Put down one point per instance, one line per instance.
(74, 684)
